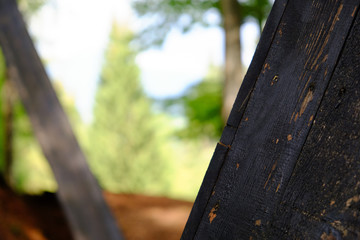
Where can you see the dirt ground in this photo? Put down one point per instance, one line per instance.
(140, 217)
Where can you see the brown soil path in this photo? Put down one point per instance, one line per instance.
(140, 217)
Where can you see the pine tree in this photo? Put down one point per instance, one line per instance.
(127, 150)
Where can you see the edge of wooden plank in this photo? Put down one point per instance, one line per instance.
(222, 229)
(237, 111)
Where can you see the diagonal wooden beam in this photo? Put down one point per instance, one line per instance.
(288, 163)
(78, 191)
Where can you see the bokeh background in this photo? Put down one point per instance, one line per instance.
(142, 82)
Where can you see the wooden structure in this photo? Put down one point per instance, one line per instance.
(288, 163)
(78, 191)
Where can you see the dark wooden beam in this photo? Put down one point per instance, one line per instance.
(78, 191)
(288, 163)
(9, 96)
(222, 149)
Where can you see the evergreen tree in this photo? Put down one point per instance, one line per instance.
(127, 150)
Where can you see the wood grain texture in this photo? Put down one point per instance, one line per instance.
(268, 185)
(322, 197)
(78, 191)
(222, 149)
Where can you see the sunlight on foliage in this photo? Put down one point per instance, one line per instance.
(201, 104)
(31, 172)
(128, 150)
(191, 162)
(130, 147)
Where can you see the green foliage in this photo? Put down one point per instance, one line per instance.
(127, 149)
(192, 159)
(29, 7)
(31, 172)
(162, 15)
(202, 107)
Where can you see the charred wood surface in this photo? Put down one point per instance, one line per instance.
(287, 165)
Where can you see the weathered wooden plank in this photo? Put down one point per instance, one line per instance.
(275, 124)
(78, 191)
(322, 197)
(229, 132)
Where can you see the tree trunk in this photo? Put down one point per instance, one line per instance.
(233, 65)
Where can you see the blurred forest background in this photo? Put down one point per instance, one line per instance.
(135, 144)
